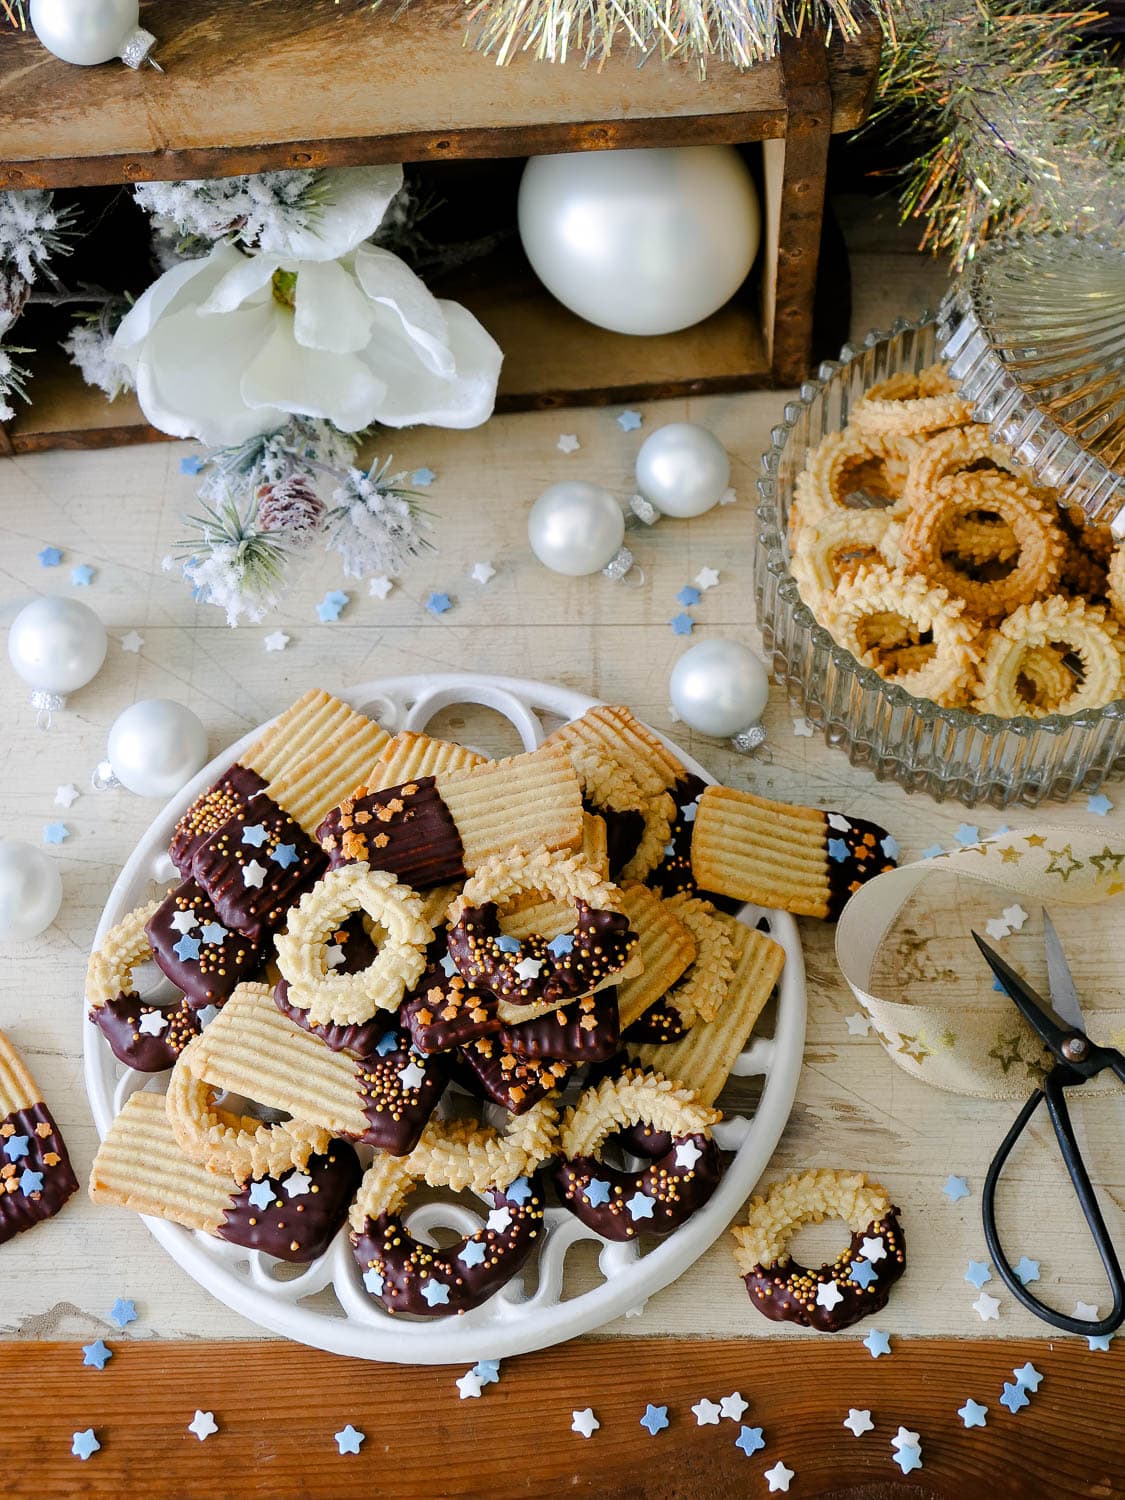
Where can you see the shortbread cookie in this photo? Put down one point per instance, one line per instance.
(314, 754)
(36, 1177)
(798, 859)
(492, 1071)
(141, 1035)
(204, 959)
(408, 756)
(405, 828)
(703, 1057)
(525, 802)
(348, 952)
(673, 874)
(293, 1216)
(443, 1011)
(665, 947)
(256, 866)
(615, 731)
(703, 987)
(210, 810)
(586, 1030)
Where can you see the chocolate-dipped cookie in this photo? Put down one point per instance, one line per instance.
(204, 959)
(36, 1177)
(406, 829)
(256, 865)
(145, 1037)
(210, 810)
(655, 1200)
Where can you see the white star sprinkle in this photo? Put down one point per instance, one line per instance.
(987, 1308)
(858, 1025)
(828, 1294)
(803, 729)
(153, 1022)
(184, 921)
(687, 1154)
(253, 874)
(873, 1249)
(203, 1425)
(674, 716)
(380, 587)
(277, 641)
(482, 572)
(499, 1220)
(334, 956)
(779, 1476)
(568, 443)
(706, 579)
(859, 1420)
(412, 1076)
(297, 1184)
(66, 796)
(706, 1413)
(728, 497)
(1015, 916)
(1086, 1311)
(733, 1406)
(469, 1385)
(997, 928)
(528, 968)
(904, 1438)
(838, 822)
(132, 642)
(584, 1422)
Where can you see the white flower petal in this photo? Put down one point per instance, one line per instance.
(162, 297)
(190, 370)
(391, 283)
(414, 394)
(356, 198)
(312, 382)
(248, 274)
(331, 311)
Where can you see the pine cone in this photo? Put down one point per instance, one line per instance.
(291, 506)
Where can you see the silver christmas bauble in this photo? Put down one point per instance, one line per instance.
(156, 747)
(719, 688)
(30, 891)
(576, 528)
(644, 241)
(92, 31)
(56, 645)
(683, 469)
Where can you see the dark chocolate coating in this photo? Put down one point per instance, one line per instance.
(406, 1265)
(219, 864)
(864, 860)
(603, 944)
(397, 1114)
(515, 1083)
(301, 1228)
(362, 1037)
(662, 1022)
(585, 1031)
(211, 978)
(676, 1191)
(406, 829)
(210, 811)
(444, 1012)
(46, 1154)
(119, 1020)
(674, 874)
(642, 1140)
(623, 833)
(786, 1292)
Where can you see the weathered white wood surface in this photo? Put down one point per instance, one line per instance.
(119, 511)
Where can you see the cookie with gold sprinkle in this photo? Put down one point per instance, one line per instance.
(36, 1177)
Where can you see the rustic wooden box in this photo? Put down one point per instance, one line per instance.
(253, 85)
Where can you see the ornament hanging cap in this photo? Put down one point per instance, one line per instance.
(136, 49)
(46, 705)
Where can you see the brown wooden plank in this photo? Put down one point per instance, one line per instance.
(278, 1406)
(258, 84)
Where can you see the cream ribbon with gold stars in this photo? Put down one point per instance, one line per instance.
(985, 1051)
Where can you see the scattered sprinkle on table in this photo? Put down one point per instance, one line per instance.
(778, 1477)
(655, 1419)
(973, 1414)
(123, 1312)
(584, 1422)
(997, 928)
(728, 497)
(349, 1438)
(1086, 1310)
(932, 852)
(66, 796)
(858, 1420)
(437, 604)
(97, 1355)
(82, 576)
(380, 586)
(858, 1024)
(987, 1308)
(487, 1371)
(1099, 804)
(1099, 1342)
(877, 1342)
(733, 1406)
(193, 464)
(1014, 1397)
(1026, 1269)
(706, 579)
(802, 729)
(978, 1273)
(55, 833)
(907, 1459)
(277, 641)
(750, 1440)
(955, 1188)
(132, 642)
(330, 606)
(423, 477)
(967, 835)
(84, 1443)
(203, 1424)
(682, 624)
(706, 1413)
(469, 1385)
(904, 1438)
(50, 557)
(482, 572)
(688, 596)
(1015, 916)
(1028, 1376)
(568, 443)
(629, 420)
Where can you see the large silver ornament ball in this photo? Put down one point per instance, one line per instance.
(642, 242)
(84, 31)
(719, 688)
(575, 528)
(683, 469)
(30, 891)
(156, 747)
(56, 645)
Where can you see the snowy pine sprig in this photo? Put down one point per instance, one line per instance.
(32, 230)
(231, 562)
(255, 211)
(376, 524)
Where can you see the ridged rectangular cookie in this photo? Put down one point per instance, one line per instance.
(314, 720)
(528, 802)
(666, 948)
(617, 734)
(36, 1177)
(408, 755)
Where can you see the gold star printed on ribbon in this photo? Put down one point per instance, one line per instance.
(948, 1038)
(1035, 841)
(1067, 870)
(917, 1049)
(1108, 858)
(1006, 1052)
(1011, 855)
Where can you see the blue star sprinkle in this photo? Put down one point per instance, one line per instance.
(863, 1273)
(518, 1191)
(487, 1371)
(206, 1014)
(97, 1355)
(55, 833)
(388, 1043)
(193, 464)
(1014, 1397)
(82, 575)
(955, 1188)
(1029, 1377)
(329, 608)
(877, 1343)
(123, 1312)
(750, 1439)
(373, 1281)
(448, 967)
(682, 624)
(640, 1205)
(285, 855)
(597, 1192)
(978, 1273)
(967, 835)
(890, 846)
(436, 1293)
(688, 813)
(688, 596)
(31, 1182)
(908, 1457)
(423, 478)
(998, 987)
(628, 420)
(349, 1438)
(212, 932)
(84, 1444)
(655, 1418)
(261, 1195)
(15, 1147)
(255, 835)
(973, 1413)
(1099, 1342)
(50, 557)
(473, 1253)
(932, 852)
(187, 948)
(437, 604)
(837, 851)
(1099, 805)
(507, 944)
(1027, 1270)
(560, 946)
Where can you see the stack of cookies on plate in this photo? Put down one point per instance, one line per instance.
(480, 974)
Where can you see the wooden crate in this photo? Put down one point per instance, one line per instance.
(255, 85)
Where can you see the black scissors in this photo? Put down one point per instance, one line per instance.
(1060, 1026)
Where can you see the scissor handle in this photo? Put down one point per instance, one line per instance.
(1054, 1085)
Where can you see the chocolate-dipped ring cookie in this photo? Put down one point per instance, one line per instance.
(702, 989)
(657, 1199)
(538, 973)
(657, 814)
(147, 1037)
(342, 999)
(835, 1295)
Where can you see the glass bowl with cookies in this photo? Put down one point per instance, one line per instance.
(930, 607)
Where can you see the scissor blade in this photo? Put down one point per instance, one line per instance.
(1035, 1011)
(1064, 996)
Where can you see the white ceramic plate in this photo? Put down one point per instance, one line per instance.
(325, 1304)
